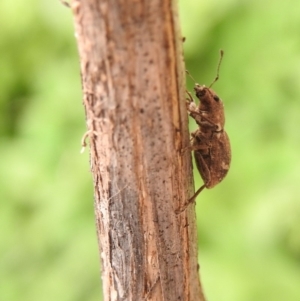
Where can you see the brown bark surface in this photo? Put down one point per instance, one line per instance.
(134, 96)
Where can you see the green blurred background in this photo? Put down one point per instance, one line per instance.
(249, 225)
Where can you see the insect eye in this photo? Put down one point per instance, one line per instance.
(216, 98)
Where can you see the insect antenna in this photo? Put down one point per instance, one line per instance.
(218, 68)
(190, 75)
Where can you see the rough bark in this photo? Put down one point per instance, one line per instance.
(134, 96)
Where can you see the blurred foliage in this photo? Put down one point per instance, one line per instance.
(249, 225)
(48, 241)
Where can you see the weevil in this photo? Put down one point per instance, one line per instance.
(210, 142)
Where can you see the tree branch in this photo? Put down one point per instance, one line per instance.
(134, 96)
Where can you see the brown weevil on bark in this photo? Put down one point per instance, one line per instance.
(210, 142)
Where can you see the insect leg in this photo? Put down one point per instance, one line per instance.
(196, 194)
(191, 200)
(190, 96)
